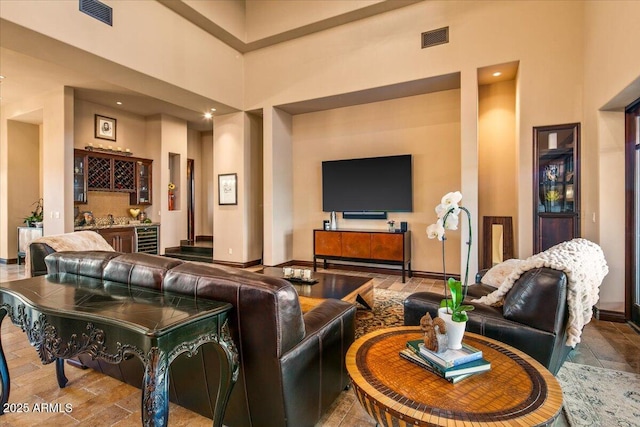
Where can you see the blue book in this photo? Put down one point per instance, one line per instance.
(414, 358)
(473, 367)
(448, 358)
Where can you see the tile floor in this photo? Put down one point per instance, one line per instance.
(98, 400)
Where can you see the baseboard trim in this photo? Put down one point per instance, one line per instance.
(609, 316)
(238, 264)
(8, 260)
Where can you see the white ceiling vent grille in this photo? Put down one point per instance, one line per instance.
(98, 10)
(435, 37)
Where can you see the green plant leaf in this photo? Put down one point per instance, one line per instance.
(456, 292)
(459, 316)
(466, 308)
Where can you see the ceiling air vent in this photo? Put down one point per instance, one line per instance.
(98, 10)
(435, 37)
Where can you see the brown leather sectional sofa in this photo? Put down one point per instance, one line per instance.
(533, 318)
(292, 366)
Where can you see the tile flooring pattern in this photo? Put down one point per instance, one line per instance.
(99, 400)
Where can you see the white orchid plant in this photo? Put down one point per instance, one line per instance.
(448, 212)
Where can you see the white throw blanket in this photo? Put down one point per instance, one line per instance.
(585, 266)
(77, 241)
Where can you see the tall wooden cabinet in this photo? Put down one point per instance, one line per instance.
(556, 184)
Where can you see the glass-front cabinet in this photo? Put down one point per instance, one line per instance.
(556, 184)
(142, 196)
(79, 178)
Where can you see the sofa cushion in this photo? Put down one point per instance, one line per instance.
(139, 269)
(89, 264)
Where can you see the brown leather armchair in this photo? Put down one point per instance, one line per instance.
(292, 366)
(533, 317)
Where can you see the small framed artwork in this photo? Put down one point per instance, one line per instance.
(228, 189)
(105, 127)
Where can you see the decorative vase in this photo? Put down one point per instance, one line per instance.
(171, 201)
(455, 330)
(333, 223)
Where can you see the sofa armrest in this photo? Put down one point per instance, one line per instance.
(324, 313)
(539, 299)
(314, 371)
(37, 254)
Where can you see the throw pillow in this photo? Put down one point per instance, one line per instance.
(496, 274)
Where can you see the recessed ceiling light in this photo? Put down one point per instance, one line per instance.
(497, 74)
(208, 115)
(213, 109)
(119, 102)
(1, 77)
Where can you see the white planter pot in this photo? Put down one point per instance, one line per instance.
(455, 330)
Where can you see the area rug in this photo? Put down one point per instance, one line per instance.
(593, 396)
(388, 310)
(599, 397)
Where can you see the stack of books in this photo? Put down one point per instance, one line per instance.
(452, 365)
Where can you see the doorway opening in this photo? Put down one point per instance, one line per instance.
(632, 220)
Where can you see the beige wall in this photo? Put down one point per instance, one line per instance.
(130, 128)
(25, 186)
(228, 14)
(265, 18)
(278, 187)
(173, 141)
(425, 126)
(497, 185)
(237, 235)
(207, 199)
(146, 40)
(546, 37)
(611, 82)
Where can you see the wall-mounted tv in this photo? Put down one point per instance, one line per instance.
(368, 184)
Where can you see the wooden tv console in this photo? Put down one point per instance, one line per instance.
(371, 246)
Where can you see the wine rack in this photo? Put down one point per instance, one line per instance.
(124, 175)
(99, 173)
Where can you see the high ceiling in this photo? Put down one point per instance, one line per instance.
(27, 76)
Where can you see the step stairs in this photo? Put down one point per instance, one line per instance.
(201, 250)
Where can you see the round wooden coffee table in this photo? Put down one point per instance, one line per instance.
(516, 391)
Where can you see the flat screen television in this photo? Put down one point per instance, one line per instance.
(374, 184)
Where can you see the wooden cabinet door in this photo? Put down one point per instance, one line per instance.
(555, 229)
(328, 243)
(120, 239)
(386, 246)
(356, 245)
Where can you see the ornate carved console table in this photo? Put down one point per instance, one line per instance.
(64, 315)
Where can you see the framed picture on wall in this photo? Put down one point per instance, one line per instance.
(228, 189)
(105, 127)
